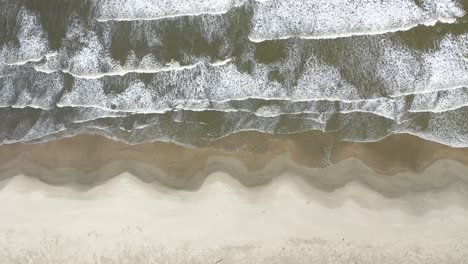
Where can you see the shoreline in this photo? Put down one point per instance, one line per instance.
(244, 199)
(253, 158)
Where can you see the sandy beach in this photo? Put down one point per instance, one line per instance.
(89, 199)
(289, 220)
(234, 132)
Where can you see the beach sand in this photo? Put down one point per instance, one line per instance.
(288, 220)
(265, 199)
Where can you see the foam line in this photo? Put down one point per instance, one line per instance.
(344, 18)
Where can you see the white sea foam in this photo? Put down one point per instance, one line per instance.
(401, 70)
(207, 86)
(86, 52)
(447, 66)
(448, 127)
(382, 107)
(440, 101)
(406, 72)
(197, 86)
(121, 10)
(46, 56)
(43, 126)
(86, 114)
(33, 43)
(366, 89)
(275, 19)
(257, 39)
(23, 87)
(203, 83)
(119, 71)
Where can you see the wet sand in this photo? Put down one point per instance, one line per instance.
(184, 167)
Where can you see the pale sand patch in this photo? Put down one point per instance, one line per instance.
(286, 221)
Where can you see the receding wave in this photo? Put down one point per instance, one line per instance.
(197, 128)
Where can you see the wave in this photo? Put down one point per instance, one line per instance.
(29, 59)
(31, 35)
(259, 39)
(197, 128)
(118, 10)
(344, 18)
(177, 71)
(99, 49)
(440, 101)
(22, 86)
(170, 67)
(401, 72)
(437, 126)
(30, 42)
(394, 71)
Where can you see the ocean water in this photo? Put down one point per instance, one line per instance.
(190, 72)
